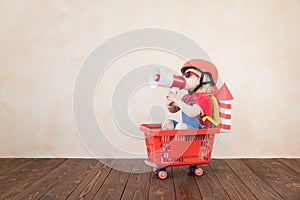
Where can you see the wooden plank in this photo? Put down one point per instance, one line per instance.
(138, 182)
(88, 188)
(162, 189)
(232, 184)
(43, 185)
(17, 173)
(90, 179)
(10, 161)
(280, 177)
(10, 164)
(185, 184)
(5, 160)
(64, 188)
(35, 174)
(294, 164)
(209, 185)
(115, 183)
(257, 185)
(12, 169)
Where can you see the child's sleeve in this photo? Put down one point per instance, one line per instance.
(205, 105)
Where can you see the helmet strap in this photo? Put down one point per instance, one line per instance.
(200, 83)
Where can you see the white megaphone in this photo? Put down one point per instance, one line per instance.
(159, 77)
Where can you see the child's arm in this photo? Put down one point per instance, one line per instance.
(190, 111)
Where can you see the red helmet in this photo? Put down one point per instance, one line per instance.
(204, 67)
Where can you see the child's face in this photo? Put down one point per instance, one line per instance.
(192, 78)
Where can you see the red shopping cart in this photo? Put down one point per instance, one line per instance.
(178, 147)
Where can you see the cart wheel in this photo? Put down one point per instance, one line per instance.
(199, 171)
(155, 171)
(162, 175)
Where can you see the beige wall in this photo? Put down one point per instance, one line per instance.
(254, 44)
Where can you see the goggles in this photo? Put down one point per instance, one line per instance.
(189, 74)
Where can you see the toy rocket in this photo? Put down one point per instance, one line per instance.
(225, 98)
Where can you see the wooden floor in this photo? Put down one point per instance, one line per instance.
(90, 179)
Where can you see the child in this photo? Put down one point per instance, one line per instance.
(195, 105)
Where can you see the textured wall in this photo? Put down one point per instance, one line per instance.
(254, 44)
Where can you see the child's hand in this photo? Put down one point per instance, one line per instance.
(169, 102)
(172, 97)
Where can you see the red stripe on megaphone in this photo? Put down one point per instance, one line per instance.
(178, 82)
(157, 77)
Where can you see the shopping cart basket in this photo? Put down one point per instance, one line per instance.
(178, 147)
